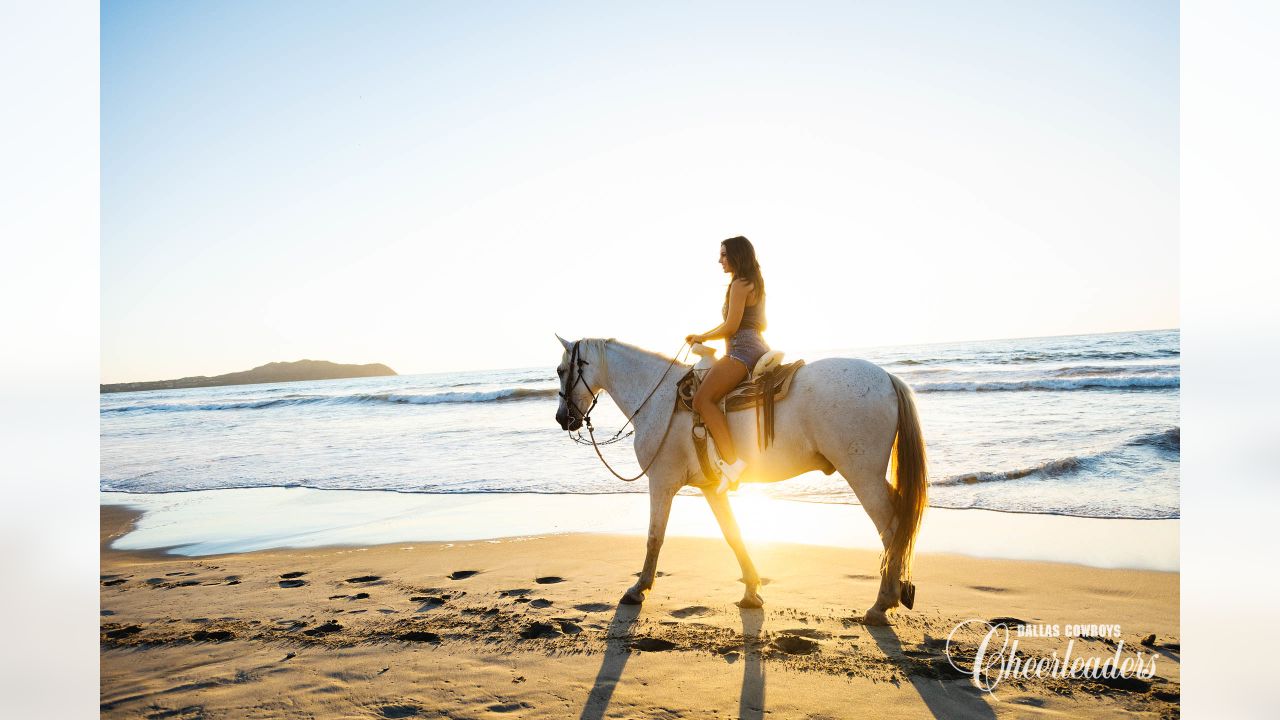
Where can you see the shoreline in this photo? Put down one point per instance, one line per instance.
(531, 628)
(209, 522)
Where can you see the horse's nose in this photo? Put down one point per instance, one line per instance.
(562, 417)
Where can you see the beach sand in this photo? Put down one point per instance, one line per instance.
(531, 628)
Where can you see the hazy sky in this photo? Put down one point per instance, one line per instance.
(441, 186)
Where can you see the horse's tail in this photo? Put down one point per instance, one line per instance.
(910, 485)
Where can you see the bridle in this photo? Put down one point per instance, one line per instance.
(570, 382)
(567, 387)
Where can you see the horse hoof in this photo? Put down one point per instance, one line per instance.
(875, 616)
(908, 596)
(751, 601)
(632, 597)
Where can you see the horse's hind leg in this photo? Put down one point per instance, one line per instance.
(875, 494)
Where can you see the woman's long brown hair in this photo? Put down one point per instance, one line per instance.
(742, 260)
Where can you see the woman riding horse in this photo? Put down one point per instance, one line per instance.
(744, 320)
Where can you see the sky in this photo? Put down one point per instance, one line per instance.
(444, 186)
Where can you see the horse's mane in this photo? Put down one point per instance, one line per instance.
(639, 350)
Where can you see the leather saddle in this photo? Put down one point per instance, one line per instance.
(771, 380)
(769, 383)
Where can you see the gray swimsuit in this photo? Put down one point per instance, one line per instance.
(747, 345)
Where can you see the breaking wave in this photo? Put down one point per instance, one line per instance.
(1169, 441)
(1148, 382)
(500, 395)
(1166, 440)
(1039, 357)
(1053, 468)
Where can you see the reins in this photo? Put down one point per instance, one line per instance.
(576, 362)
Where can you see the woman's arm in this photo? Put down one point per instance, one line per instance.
(738, 291)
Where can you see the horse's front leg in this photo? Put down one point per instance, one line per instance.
(719, 503)
(659, 510)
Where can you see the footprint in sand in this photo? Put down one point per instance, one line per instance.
(593, 607)
(540, 603)
(118, 581)
(548, 580)
(325, 629)
(509, 707)
(419, 636)
(462, 574)
(364, 579)
(691, 611)
(514, 592)
(399, 711)
(124, 632)
(360, 596)
(811, 633)
(292, 583)
(795, 645)
(987, 588)
(540, 630)
(292, 575)
(649, 644)
(212, 635)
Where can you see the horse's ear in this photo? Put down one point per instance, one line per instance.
(564, 342)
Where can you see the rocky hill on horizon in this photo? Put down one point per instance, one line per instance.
(298, 371)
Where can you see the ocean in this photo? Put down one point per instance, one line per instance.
(1084, 425)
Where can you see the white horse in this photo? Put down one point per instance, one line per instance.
(839, 414)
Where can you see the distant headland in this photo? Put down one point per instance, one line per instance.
(275, 372)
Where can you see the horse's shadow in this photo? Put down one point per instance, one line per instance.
(616, 654)
(751, 700)
(618, 651)
(943, 699)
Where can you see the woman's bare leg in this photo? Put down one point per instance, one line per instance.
(723, 377)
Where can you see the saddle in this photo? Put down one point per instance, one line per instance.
(768, 383)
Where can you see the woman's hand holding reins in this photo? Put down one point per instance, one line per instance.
(695, 338)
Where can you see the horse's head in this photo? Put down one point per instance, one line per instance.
(579, 371)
